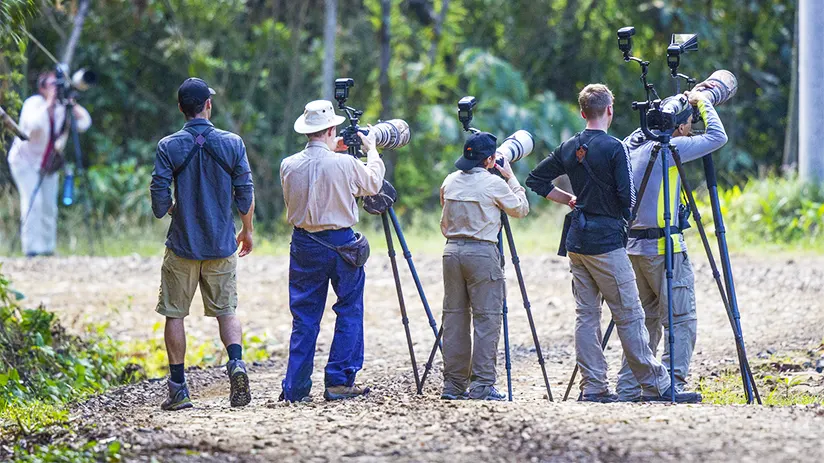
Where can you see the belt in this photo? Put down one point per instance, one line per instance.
(301, 230)
(652, 233)
(468, 241)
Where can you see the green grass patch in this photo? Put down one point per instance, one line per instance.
(776, 388)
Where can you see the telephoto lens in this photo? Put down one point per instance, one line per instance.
(726, 86)
(517, 146)
(391, 134)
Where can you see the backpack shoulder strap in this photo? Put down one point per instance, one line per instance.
(197, 146)
(200, 143)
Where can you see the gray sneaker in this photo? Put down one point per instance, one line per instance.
(239, 394)
(178, 398)
(680, 397)
(490, 393)
(344, 392)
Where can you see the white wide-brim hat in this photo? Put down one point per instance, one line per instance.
(318, 115)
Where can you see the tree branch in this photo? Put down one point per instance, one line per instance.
(79, 19)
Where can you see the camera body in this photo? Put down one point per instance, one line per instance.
(389, 134)
(81, 81)
(664, 115)
(514, 147)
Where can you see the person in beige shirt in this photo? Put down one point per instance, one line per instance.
(320, 187)
(473, 199)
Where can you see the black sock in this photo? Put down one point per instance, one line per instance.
(176, 372)
(235, 351)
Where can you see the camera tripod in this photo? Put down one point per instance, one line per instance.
(726, 289)
(68, 187)
(516, 262)
(385, 218)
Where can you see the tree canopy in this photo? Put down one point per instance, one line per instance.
(524, 61)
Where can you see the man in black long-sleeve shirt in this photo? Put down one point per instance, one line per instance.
(598, 168)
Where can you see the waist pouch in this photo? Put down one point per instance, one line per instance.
(355, 253)
(562, 249)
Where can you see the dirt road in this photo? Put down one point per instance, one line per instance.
(782, 305)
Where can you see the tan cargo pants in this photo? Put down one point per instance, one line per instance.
(610, 276)
(651, 277)
(473, 283)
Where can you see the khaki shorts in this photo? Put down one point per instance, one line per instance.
(179, 278)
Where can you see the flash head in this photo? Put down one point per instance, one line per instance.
(465, 106)
(625, 39)
(342, 87)
(686, 42)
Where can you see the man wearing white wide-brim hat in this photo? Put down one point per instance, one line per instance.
(320, 187)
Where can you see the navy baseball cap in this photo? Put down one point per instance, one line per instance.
(478, 147)
(194, 92)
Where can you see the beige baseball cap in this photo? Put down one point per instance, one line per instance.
(318, 115)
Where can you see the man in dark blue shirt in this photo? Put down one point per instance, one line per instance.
(599, 170)
(210, 173)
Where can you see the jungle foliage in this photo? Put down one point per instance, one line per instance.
(525, 61)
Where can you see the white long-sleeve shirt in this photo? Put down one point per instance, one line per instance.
(34, 121)
(320, 186)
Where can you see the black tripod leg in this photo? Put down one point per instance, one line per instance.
(604, 342)
(404, 318)
(712, 185)
(506, 325)
(668, 261)
(87, 199)
(742, 359)
(428, 365)
(408, 255)
(527, 306)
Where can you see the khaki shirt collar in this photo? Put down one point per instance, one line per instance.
(476, 170)
(317, 144)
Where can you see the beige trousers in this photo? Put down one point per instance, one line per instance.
(473, 283)
(610, 276)
(651, 277)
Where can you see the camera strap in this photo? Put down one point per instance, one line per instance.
(580, 154)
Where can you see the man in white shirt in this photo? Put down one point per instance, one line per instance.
(43, 119)
(320, 188)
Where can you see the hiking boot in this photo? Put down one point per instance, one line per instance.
(178, 397)
(680, 397)
(304, 399)
(344, 392)
(490, 394)
(605, 397)
(635, 399)
(239, 394)
(455, 396)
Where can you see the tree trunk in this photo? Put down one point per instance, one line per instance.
(79, 19)
(383, 81)
(811, 107)
(329, 32)
(790, 162)
(437, 30)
